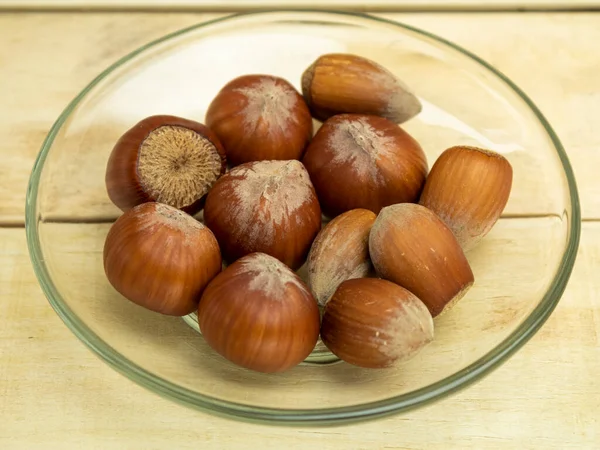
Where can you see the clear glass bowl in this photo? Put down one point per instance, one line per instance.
(521, 268)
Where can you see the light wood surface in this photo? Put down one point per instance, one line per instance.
(37, 81)
(54, 393)
(526, 250)
(388, 5)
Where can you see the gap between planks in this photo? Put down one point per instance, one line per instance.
(84, 220)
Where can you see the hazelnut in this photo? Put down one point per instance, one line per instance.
(259, 315)
(260, 117)
(412, 247)
(161, 258)
(374, 323)
(266, 206)
(165, 159)
(343, 83)
(359, 161)
(340, 252)
(468, 188)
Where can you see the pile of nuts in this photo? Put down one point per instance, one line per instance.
(389, 260)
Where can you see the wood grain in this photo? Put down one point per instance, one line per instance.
(546, 54)
(388, 5)
(525, 250)
(54, 393)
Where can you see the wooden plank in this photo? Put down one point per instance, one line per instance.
(54, 393)
(469, 113)
(388, 5)
(37, 82)
(526, 250)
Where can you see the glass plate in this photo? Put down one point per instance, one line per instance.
(521, 268)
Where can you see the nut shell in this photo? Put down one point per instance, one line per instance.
(339, 83)
(266, 206)
(412, 247)
(468, 188)
(260, 117)
(340, 252)
(127, 186)
(359, 161)
(161, 258)
(374, 323)
(260, 315)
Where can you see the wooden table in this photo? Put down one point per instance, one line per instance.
(54, 393)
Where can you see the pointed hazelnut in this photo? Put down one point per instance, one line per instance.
(468, 188)
(344, 83)
(412, 247)
(340, 252)
(375, 323)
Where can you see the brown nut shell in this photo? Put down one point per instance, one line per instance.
(468, 188)
(374, 323)
(260, 117)
(340, 252)
(359, 161)
(412, 247)
(265, 206)
(260, 315)
(339, 83)
(166, 159)
(161, 258)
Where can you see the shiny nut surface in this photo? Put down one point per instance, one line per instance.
(361, 161)
(340, 252)
(267, 206)
(412, 247)
(375, 323)
(339, 83)
(161, 258)
(260, 315)
(468, 188)
(260, 117)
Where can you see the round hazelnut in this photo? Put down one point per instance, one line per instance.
(265, 206)
(260, 117)
(359, 161)
(161, 258)
(259, 314)
(164, 159)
